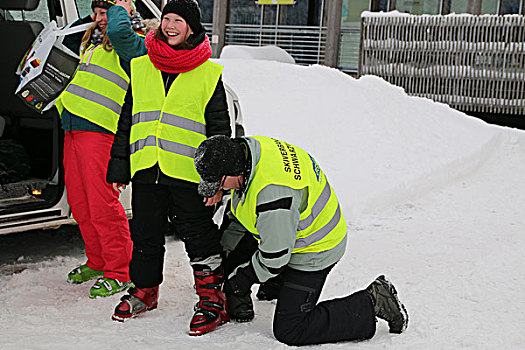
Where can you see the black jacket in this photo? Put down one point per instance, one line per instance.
(217, 123)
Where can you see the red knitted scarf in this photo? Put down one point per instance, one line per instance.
(169, 60)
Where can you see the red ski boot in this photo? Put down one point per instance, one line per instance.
(210, 311)
(138, 300)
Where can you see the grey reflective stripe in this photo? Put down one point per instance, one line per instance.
(177, 148)
(142, 117)
(140, 144)
(183, 123)
(94, 97)
(105, 74)
(316, 209)
(321, 233)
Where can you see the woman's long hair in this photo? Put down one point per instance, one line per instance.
(86, 39)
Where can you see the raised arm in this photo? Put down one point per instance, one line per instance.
(126, 42)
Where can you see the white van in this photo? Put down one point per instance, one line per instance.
(32, 192)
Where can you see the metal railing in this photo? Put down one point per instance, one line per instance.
(472, 63)
(305, 44)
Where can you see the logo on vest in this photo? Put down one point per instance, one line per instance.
(317, 169)
(290, 159)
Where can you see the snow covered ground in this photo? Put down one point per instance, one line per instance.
(433, 199)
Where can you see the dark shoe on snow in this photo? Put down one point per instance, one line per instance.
(270, 289)
(137, 301)
(240, 307)
(387, 305)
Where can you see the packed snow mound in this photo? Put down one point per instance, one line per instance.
(376, 144)
(452, 253)
(269, 53)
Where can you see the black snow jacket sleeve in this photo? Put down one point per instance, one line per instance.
(119, 170)
(216, 114)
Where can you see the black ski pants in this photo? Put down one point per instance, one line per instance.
(300, 320)
(193, 222)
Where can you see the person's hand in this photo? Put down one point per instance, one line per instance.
(213, 200)
(127, 5)
(118, 187)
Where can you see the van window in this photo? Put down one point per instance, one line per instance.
(84, 8)
(41, 14)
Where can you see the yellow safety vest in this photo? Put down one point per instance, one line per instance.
(97, 90)
(167, 129)
(321, 225)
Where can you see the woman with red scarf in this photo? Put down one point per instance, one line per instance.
(175, 100)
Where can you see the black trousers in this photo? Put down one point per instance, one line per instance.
(193, 222)
(298, 318)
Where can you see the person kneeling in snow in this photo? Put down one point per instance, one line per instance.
(281, 197)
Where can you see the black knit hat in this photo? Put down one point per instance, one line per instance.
(187, 9)
(216, 157)
(105, 4)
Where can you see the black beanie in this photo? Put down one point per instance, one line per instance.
(105, 4)
(187, 9)
(216, 157)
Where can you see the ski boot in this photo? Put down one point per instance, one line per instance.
(83, 273)
(104, 287)
(211, 310)
(137, 301)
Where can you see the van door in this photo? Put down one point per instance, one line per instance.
(31, 178)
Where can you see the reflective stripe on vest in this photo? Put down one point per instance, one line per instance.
(97, 90)
(167, 128)
(106, 74)
(321, 225)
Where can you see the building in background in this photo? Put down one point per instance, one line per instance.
(321, 31)
(473, 63)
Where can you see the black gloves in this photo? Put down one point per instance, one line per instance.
(241, 283)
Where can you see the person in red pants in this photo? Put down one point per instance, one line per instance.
(96, 207)
(89, 108)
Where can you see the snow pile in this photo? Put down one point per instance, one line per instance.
(434, 199)
(268, 52)
(376, 144)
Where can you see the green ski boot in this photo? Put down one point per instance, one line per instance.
(104, 287)
(82, 273)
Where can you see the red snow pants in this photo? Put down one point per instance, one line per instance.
(95, 204)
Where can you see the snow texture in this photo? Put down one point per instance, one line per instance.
(268, 52)
(433, 198)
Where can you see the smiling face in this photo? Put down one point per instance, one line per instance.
(100, 17)
(175, 29)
